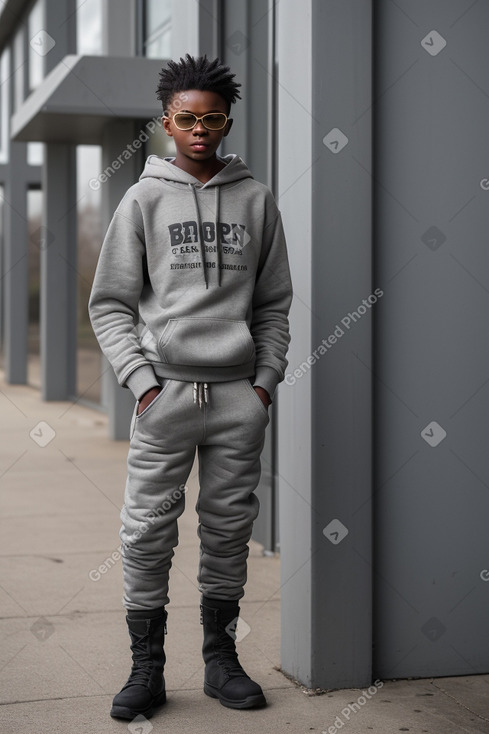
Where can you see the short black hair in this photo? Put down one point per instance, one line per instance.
(197, 73)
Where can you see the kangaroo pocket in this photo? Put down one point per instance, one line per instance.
(206, 342)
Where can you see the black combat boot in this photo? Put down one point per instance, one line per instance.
(145, 687)
(224, 677)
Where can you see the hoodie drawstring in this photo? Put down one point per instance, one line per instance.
(201, 234)
(201, 393)
(218, 244)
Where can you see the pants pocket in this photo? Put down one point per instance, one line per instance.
(152, 403)
(149, 408)
(256, 398)
(133, 420)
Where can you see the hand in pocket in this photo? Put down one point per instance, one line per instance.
(147, 398)
(263, 395)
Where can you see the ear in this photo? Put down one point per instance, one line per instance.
(228, 127)
(166, 122)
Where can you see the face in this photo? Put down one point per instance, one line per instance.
(199, 143)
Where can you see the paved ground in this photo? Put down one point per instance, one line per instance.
(64, 645)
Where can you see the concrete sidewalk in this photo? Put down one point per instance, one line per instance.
(64, 647)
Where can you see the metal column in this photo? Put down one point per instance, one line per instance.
(58, 325)
(117, 135)
(325, 427)
(58, 274)
(16, 317)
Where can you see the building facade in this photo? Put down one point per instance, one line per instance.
(367, 120)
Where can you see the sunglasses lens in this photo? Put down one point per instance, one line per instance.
(184, 120)
(214, 121)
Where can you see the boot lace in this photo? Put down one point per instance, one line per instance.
(227, 656)
(142, 666)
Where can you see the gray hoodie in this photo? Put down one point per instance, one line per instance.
(172, 300)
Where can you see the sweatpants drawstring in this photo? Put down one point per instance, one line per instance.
(201, 393)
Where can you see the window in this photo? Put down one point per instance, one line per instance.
(4, 106)
(89, 238)
(36, 60)
(89, 27)
(18, 69)
(34, 220)
(157, 28)
(35, 154)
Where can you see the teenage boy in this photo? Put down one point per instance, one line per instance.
(190, 305)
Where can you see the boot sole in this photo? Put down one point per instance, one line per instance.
(122, 712)
(251, 702)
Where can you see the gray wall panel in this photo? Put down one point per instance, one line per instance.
(341, 379)
(432, 503)
(294, 440)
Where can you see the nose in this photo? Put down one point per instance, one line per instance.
(199, 128)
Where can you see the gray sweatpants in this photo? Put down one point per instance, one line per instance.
(228, 432)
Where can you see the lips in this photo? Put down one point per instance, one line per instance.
(199, 146)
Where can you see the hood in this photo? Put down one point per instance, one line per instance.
(234, 170)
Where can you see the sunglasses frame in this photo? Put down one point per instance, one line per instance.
(199, 119)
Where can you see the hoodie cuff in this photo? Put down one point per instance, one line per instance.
(268, 379)
(141, 380)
